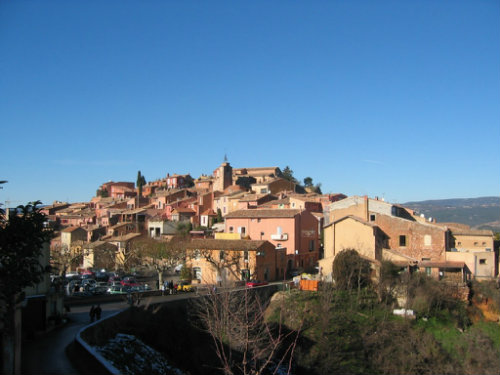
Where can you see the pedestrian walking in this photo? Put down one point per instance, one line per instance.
(163, 289)
(171, 286)
(92, 313)
(98, 312)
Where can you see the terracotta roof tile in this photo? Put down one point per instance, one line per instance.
(210, 244)
(263, 213)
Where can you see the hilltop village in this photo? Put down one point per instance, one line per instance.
(258, 223)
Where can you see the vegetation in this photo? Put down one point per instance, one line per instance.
(140, 182)
(103, 193)
(349, 328)
(22, 238)
(287, 174)
(160, 255)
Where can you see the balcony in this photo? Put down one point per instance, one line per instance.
(279, 237)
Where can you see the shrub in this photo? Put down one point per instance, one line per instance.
(350, 271)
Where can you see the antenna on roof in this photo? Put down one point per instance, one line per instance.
(225, 158)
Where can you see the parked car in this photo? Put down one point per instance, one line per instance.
(90, 282)
(99, 288)
(129, 281)
(254, 283)
(185, 286)
(101, 276)
(114, 278)
(119, 290)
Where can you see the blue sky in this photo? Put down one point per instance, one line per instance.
(397, 99)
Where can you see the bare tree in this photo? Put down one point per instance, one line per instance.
(230, 261)
(63, 258)
(245, 341)
(160, 255)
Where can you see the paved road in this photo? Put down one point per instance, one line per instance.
(47, 354)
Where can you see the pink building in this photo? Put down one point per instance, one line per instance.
(294, 230)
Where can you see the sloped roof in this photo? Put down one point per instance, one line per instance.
(355, 218)
(209, 212)
(446, 264)
(70, 229)
(263, 213)
(183, 210)
(237, 245)
(96, 244)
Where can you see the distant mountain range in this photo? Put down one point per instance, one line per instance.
(479, 213)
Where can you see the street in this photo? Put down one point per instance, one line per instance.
(46, 354)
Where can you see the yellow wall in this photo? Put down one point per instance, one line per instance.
(351, 234)
(473, 242)
(227, 236)
(473, 262)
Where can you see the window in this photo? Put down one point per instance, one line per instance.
(231, 229)
(311, 245)
(241, 230)
(402, 241)
(372, 217)
(428, 271)
(427, 240)
(459, 243)
(263, 191)
(221, 255)
(245, 255)
(197, 273)
(475, 243)
(484, 243)
(197, 254)
(482, 261)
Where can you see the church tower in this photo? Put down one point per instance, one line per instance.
(223, 176)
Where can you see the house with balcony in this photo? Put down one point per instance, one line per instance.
(226, 261)
(294, 230)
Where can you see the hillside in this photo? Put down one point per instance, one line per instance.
(479, 213)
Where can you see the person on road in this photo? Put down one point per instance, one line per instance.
(92, 313)
(98, 312)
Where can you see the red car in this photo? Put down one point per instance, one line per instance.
(129, 281)
(254, 283)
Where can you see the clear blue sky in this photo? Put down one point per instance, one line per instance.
(397, 99)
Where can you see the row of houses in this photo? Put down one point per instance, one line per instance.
(252, 223)
(306, 230)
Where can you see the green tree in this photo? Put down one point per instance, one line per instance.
(22, 239)
(308, 182)
(220, 219)
(287, 174)
(141, 181)
(183, 228)
(103, 193)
